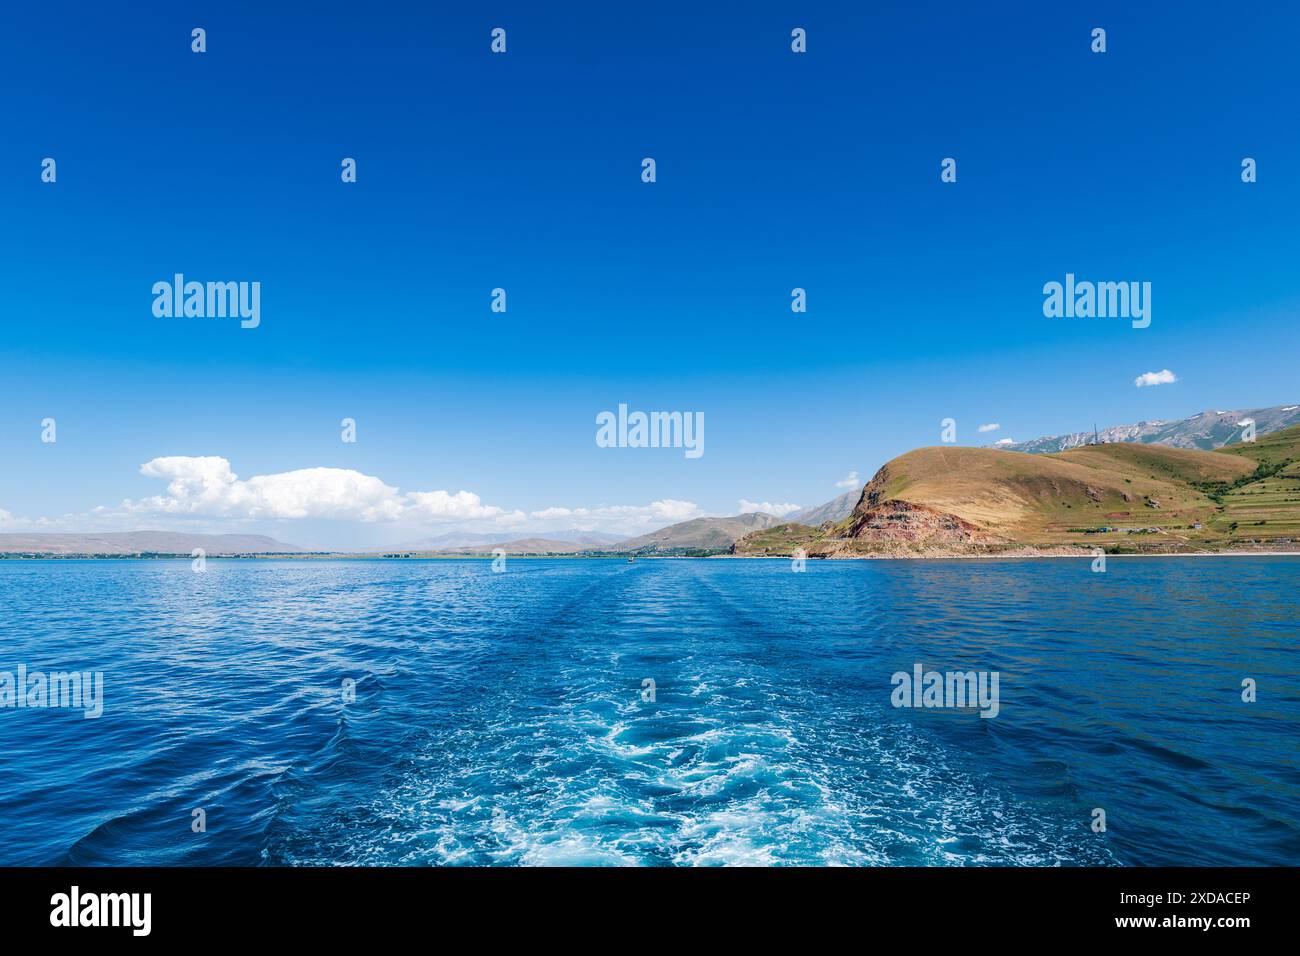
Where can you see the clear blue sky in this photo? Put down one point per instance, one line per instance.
(522, 170)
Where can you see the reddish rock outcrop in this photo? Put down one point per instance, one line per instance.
(902, 521)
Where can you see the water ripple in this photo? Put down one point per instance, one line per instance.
(500, 719)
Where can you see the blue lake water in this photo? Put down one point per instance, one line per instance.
(500, 719)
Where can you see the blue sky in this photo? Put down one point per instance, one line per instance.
(475, 171)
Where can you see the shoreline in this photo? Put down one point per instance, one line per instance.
(342, 556)
(1021, 557)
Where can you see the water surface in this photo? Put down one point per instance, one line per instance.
(499, 718)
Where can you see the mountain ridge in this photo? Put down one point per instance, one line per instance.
(699, 534)
(141, 542)
(1205, 430)
(472, 542)
(836, 509)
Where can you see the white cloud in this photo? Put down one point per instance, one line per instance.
(992, 427)
(548, 514)
(203, 492)
(673, 510)
(444, 506)
(769, 507)
(4, 516)
(1163, 377)
(1004, 441)
(207, 486)
(848, 481)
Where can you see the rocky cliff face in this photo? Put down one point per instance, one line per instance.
(873, 493)
(903, 522)
(879, 518)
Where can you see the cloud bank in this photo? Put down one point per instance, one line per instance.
(207, 487)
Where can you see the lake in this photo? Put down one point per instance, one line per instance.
(667, 712)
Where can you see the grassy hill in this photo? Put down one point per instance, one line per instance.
(1120, 497)
(1266, 505)
(1282, 446)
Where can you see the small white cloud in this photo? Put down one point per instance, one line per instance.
(1163, 377)
(443, 506)
(991, 427)
(674, 510)
(1004, 441)
(768, 507)
(848, 481)
(547, 514)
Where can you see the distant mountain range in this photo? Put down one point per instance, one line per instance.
(452, 539)
(1206, 431)
(699, 534)
(470, 542)
(142, 542)
(536, 545)
(835, 510)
